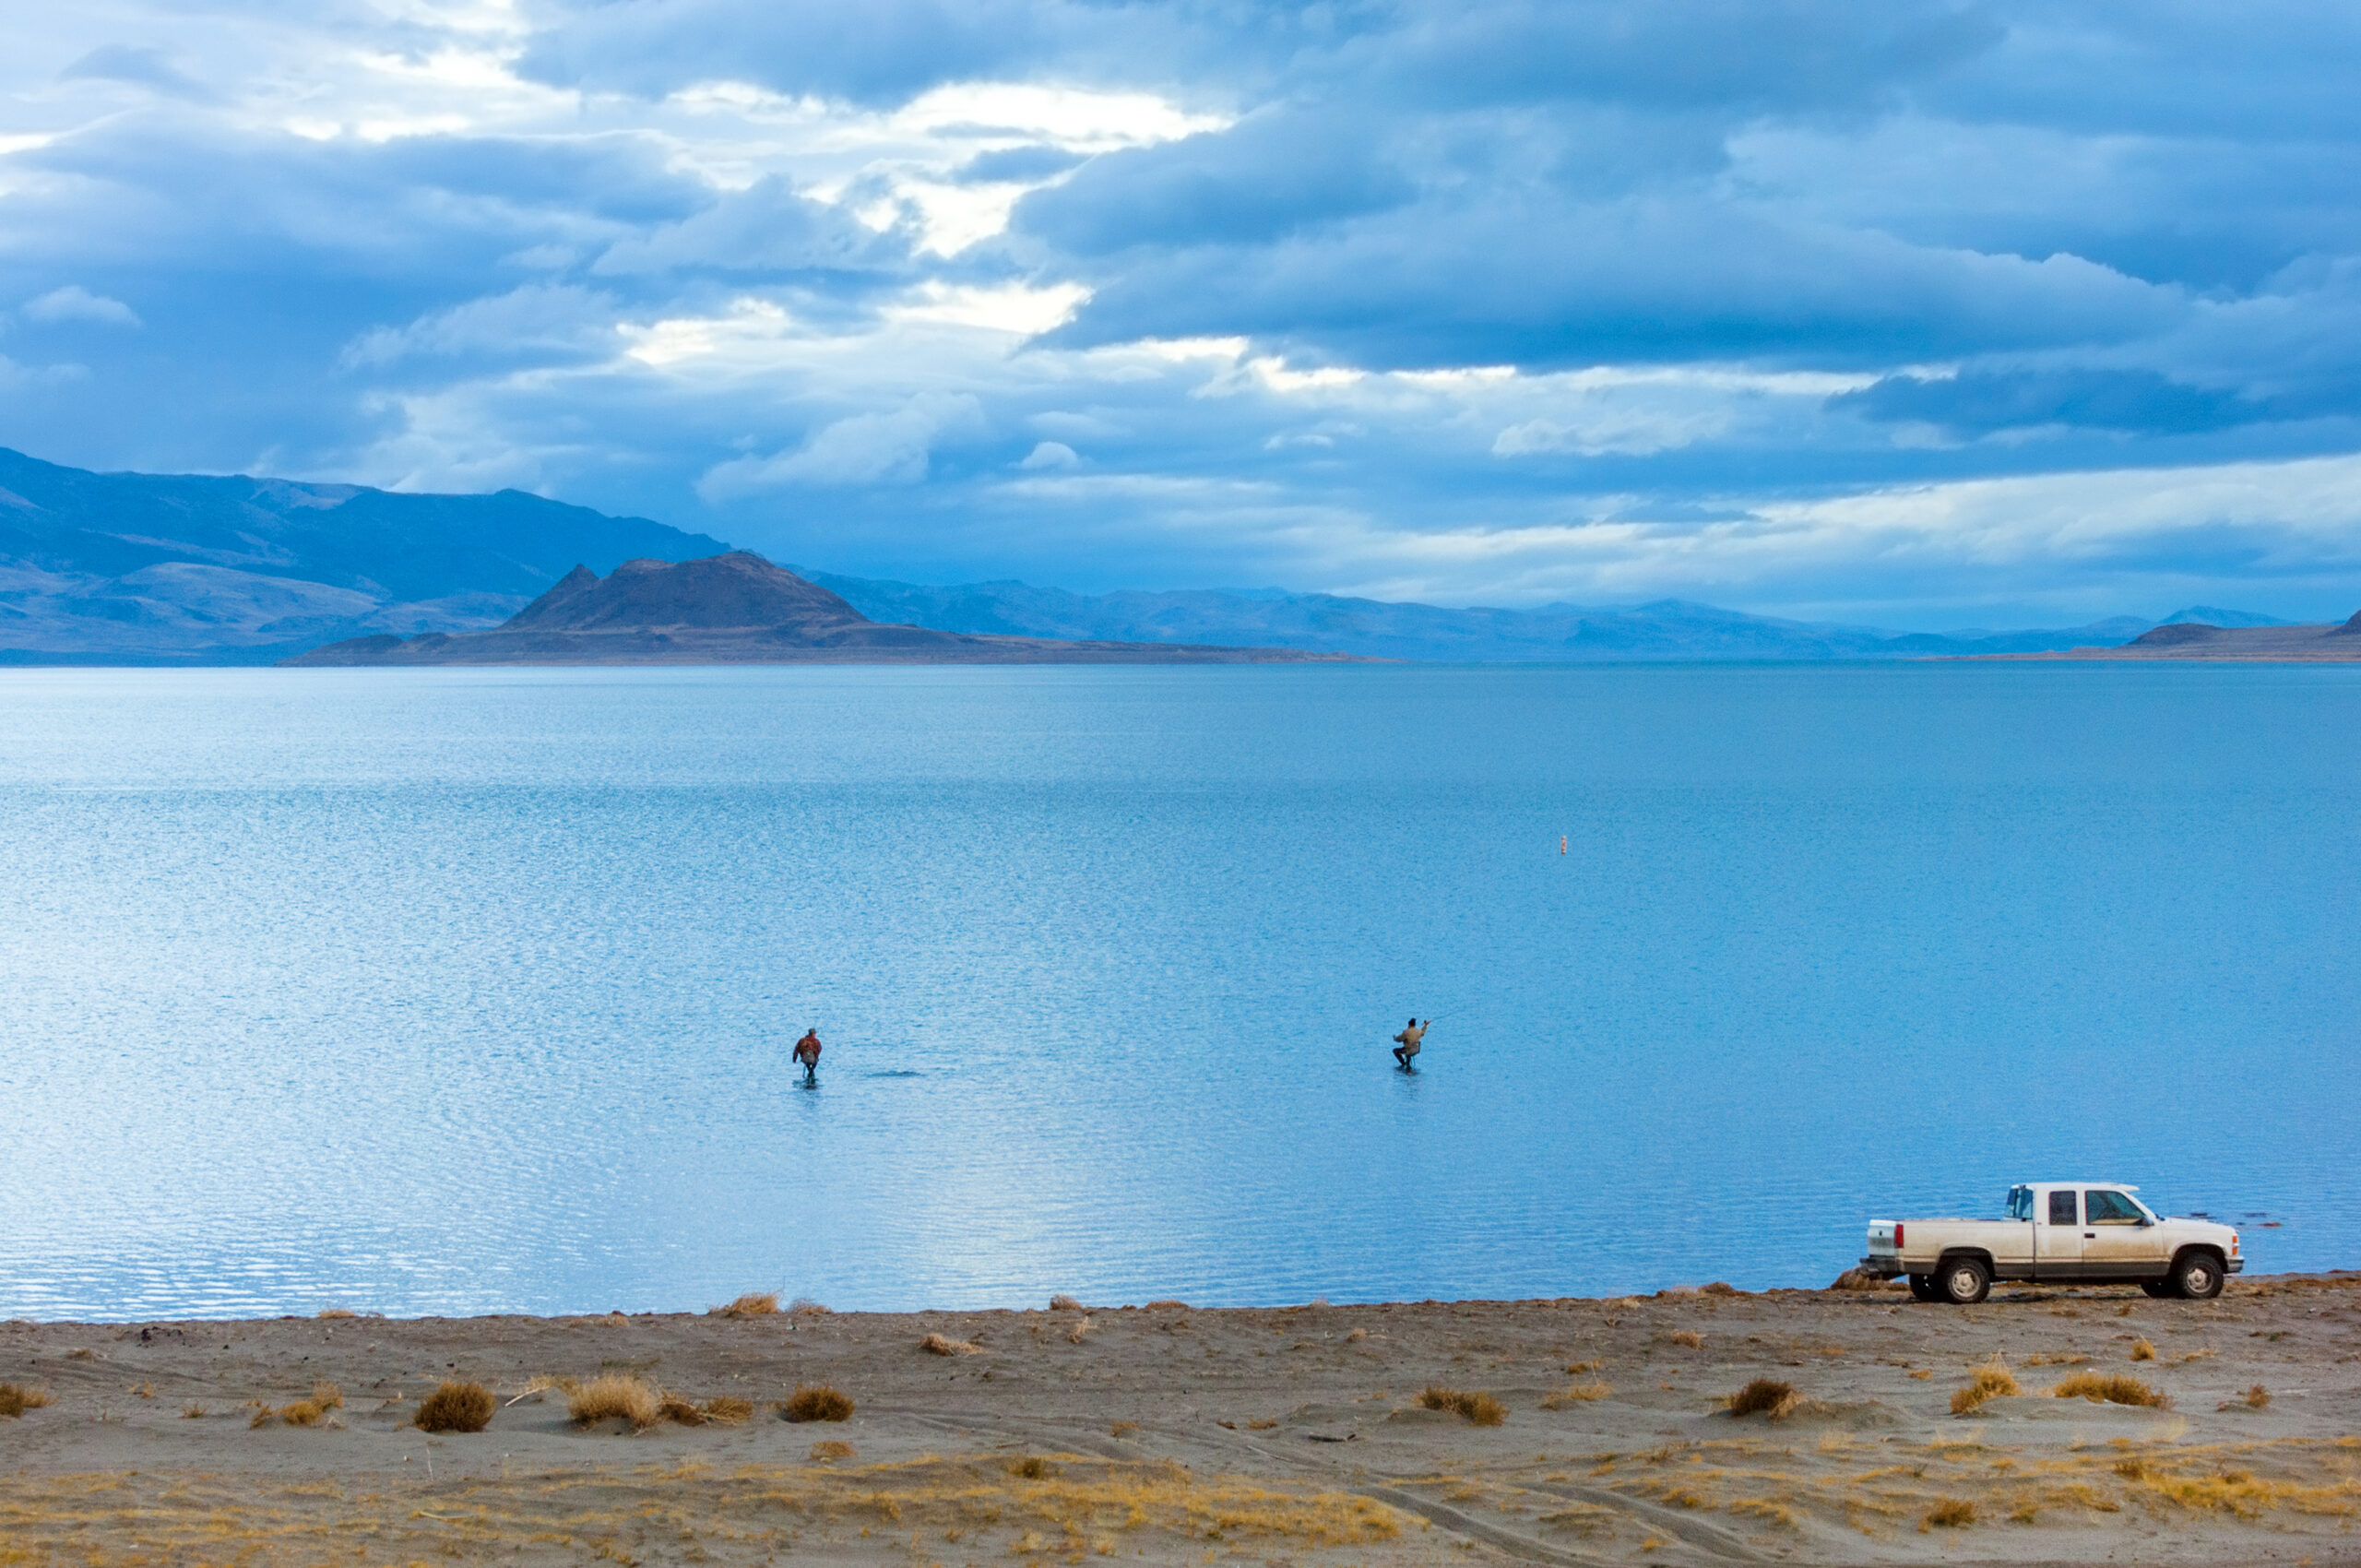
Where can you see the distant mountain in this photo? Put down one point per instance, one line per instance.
(186, 569)
(2207, 615)
(191, 569)
(739, 608)
(1667, 629)
(2281, 642)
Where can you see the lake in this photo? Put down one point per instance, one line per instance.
(466, 991)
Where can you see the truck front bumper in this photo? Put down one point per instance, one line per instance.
(2236, 1266)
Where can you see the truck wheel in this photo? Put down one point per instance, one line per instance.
(2197, 1275)
(2160, 1288)
(1964, 1282)
(1922, 1288)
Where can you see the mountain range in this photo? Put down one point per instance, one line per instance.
(194, 569)
(739, 608)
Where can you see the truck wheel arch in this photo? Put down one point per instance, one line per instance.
(1955, 1255)
(2210, 1254)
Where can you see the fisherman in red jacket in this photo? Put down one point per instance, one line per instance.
(807, 1051)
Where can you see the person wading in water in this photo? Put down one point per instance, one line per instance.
(807, 1051)
(1407, 1041)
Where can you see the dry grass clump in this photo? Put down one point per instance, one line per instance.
(16, 1401)
(337, 1311)
(1481, 1410)
(2255, 1398)
(2114, 1388)
(804, 1306)
(753, 1303)
(1855, 1279)
(1082, 1508)
(1168, 1303)
(831, 1448)
(1064, 1304)
(816, 1402)
(143, 1391)
(730, 1410)
(2059, 1359)
(1575, 1394)
(1075, 1335)
(679, 1410)
(616, 1393)
(1950, 1514)
(1687, 1336)
(1719, 1288)
(1992, 1380)
(936, 1345)
(327, 1397)
(454, 1406)
(2142, 1351)
(1764, 1395)
(303, 1413)
(192, 1411)
(1122, 1429)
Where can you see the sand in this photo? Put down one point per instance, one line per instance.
(1172, 1435)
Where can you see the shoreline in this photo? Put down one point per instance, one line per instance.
(1166, 1432)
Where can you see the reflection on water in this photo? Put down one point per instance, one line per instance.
(454, 991)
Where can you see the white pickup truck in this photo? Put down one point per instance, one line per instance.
(2056, 1232)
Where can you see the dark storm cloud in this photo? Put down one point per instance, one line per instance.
(1981, 402)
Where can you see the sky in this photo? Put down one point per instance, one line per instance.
(1914, 314)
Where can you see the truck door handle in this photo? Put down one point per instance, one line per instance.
(2090, 1235)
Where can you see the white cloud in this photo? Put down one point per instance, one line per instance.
(891, 447)
(74, 303)
(1633, 431)
(1050, 455)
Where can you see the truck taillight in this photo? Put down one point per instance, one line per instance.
(1897, 1235)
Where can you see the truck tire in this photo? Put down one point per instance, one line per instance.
(2160, 1288)
(1965, 1281)
(2197, 1275)
(1922, 1288)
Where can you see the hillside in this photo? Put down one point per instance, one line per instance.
(196, 569)
(189, 569)
(1664, 630)
(739, 608)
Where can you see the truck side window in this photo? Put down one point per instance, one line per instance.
(2061, 1208)
(2109, 1208)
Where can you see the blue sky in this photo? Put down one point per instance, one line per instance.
(1917, 315)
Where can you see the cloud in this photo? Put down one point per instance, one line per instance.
(535, 321)
(890, 448)
(140, 66)
(1488, 299)
(74, 303)
(1050, 455)
(1984, 402)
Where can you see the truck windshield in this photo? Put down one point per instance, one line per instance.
(2021, 1203)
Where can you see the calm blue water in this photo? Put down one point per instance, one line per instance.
(462, 991)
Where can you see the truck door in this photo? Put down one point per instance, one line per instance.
(2057, 1236)
(2118, 1241)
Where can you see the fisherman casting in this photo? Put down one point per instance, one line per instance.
(807, 1051)
(1406, 1042)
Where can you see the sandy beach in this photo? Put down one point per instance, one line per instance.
(1166, 1434)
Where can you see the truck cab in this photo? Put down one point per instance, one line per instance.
(2056, 1232)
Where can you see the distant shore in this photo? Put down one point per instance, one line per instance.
(2324, 643)
(1572, 1430)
